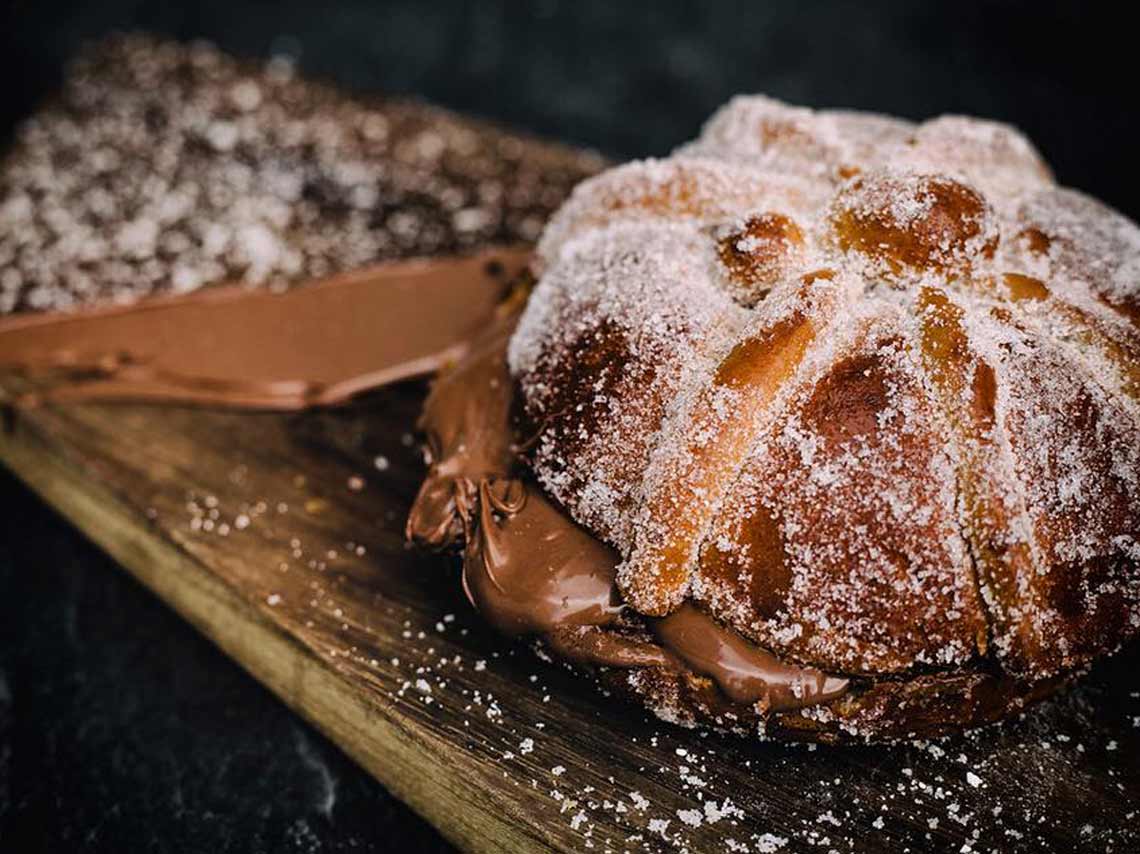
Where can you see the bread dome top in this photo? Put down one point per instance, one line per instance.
(867, 391)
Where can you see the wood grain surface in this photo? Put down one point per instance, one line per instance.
(279, 537)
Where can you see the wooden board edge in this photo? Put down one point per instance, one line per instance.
(399, 759)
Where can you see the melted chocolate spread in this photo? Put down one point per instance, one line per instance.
(529, 569)
(315, 345)
(744, 671)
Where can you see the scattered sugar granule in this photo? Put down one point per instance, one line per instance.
(639, 801)
(769, 843)
(715, 812)
(973, 779)
(692, 818)
(526, 746)
(273, 599)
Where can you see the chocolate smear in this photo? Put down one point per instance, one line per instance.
(742, 670)
(530, 570)
(317, 345)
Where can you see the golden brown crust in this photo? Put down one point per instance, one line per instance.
(819, 559)
(765, 249)
(688, 488)
(904, 222)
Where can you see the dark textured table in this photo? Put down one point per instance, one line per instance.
(123, 730)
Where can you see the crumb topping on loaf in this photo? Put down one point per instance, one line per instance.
(869, 391)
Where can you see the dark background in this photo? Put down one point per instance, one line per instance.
(120, 728)
(639, 76)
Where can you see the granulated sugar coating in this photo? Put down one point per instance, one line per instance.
(868, 391)
(163, 167)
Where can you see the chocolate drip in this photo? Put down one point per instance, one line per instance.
(467, 421)
(744, 671)
(594, 645)
(530, 570)
(526, 568)
(317, 345)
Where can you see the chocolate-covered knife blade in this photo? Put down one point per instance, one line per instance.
(319, 344)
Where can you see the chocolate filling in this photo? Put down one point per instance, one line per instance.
(742, 670)
(530, 570)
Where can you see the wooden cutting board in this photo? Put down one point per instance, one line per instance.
(279, 537)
